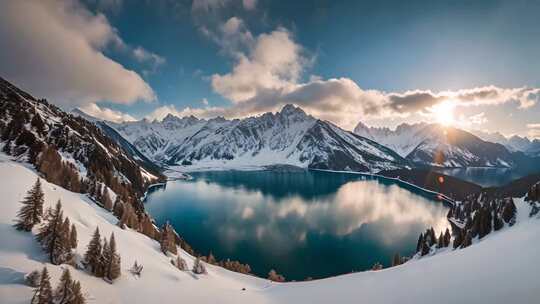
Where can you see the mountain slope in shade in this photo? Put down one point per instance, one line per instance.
(287, 137)
(437, 145)
(28, 126)
(114, 135)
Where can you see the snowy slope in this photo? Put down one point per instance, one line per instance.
(287, 137)
(502, 268)
(20, 254)
(438, 145)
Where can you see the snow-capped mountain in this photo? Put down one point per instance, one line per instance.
(42, 134)
(438, 145)
(287, 137)
(513, 143)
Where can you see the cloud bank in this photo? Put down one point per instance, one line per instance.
(55, 49)
(267, 74)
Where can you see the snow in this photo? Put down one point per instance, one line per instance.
(501, 268)
(289, 137)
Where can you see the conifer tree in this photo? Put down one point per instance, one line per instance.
(64, 289)
(198, 266)
(112, 259)
(425, 248)
(440, 242)
(43, 293)
(509, 211)
(458, 239)
(419, 243)
(396, 260)
(106, 200)
(52, 236)
(167, 240)
(92, 257)
(32, 210)
(78, 297)
(447, 238)
(118, 207)
(33, 278)
(467, 241)
(73, 237)
(180, 263)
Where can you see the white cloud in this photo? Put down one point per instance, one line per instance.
(274, 61)
(205, 112)
(533, 126)
(55, 49)
(143, 55)
(105, 113)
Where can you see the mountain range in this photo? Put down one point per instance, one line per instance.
(289, 137)
(433, 144)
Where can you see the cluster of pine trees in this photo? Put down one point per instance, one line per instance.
(68, 291)
(276, 277)
(101, 257)
(57, 236)
(476, 216)
(533, 197)
(428, 239)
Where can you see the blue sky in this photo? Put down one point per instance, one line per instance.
(382, 62)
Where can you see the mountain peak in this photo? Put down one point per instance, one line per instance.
(170, 117)
(290, 109)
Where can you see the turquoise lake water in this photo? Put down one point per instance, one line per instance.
(302, 223)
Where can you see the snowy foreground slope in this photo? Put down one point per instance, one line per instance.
(502, 268)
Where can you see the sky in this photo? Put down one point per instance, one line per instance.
(470, 64)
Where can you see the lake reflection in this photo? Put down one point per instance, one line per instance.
(302, 224)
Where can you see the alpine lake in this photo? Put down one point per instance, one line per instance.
(302, 223)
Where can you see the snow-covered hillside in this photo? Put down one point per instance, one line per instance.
(502, 268)
(288, 137)
(438, 145)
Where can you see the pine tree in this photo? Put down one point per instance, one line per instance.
(458, 240)
(33, 278)
(118, 207)
(32, 210)
(276, 277)
(64, 290)
(509, 211)
(104, 259)
(78, 297)
(167, 240)
(43, 293)
(396, 260)
(92, 256)
(180, 263)
(419, 243)
(467, 241)
(106, 200)
(52, 236)
(447, 238)
(198, 267)
(112, 259)
(425, 248)
(73, 237)
(440, 242)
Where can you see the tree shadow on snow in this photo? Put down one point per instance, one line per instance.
(11, 276)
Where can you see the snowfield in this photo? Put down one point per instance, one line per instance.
(502, 268)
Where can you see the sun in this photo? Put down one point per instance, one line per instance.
(444, 113)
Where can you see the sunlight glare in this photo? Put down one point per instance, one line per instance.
(444, 113)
